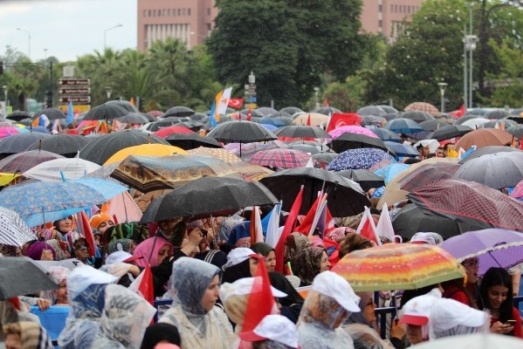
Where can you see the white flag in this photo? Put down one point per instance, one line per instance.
(273, 227)
(384, 227)
(224, 101)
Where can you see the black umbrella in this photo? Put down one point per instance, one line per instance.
(102, 148)
(491, 149)
(265, 111)
(280, 114)
(20, 142)
(52, 113)
(278, 121)
(466, 118)
(497, 114)
(385, 135)
(302, 132)
(107, 111)
(292, 110)
(507, 123)
(449, 131)
(321, 160)
(125, 105)
(21, 276)
(516, 131)
(63, 144)
(433, 125)
(418, 116)
(200, 117)
(365, 178)
(179, 111)
(354, 141)
(345, 198)
(326, 110)
(191, 141)
(26, 122)
(18, 115)
(371, 110)
(208, 196)
(389, 110)
(134, 118)
(241, 132)
(23, 161)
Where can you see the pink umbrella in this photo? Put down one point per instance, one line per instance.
(517, 193)
(8, 131)
(352, 129)
(280, 158)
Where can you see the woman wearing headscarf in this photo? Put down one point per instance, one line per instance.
(153, 251)
(310, 262)
(40, 251)
(63, 229)
(239, 264)
(329, 302)
(294, 244)
(59, 296)
(201, 324)
(26, 335)
(127, 245)
(268, 252)
(125, 317)
(60, 249)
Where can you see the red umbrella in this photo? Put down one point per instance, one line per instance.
(426, 174)
(22, 162)
(167, 131)
(464, 201)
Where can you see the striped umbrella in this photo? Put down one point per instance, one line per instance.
(398, 267)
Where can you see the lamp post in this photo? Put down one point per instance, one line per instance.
(108, 91)
(250, 91)
(470, 46)
(28, 41)
(5, 95)
(316, 104)
(442, 87)
(105, 33)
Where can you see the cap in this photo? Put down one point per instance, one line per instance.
(276, 328)
(97, 219)
(448, 313)
(417, 310)
(238, 255)
(426, 238)
(120, 257)
(332, 285)
(243, 287)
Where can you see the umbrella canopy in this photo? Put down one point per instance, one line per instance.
(13, 285)
(385, 135)
(352, 129)
(391, 171)
(107, 111)
(497, 114)
(191, 141)
(147, 173)
(427, 173)
(474, 340)
(484, 137)
(144, 150)
(412, 219)
(21, 162)
(433, 124)
(242, 132)
(322, 159)
(103, 147)
(13, 230)
(464, 200)
(450, 131)
(131, 108)
(371, 110)
(20, 142)
(491, 149)
(247, 151)
(166, 131)
(345, 197)
(376, 121)
(310, 147)
(302, 132)
(402, 125)
(400, 149)
(475, 123)
(133, 118)
(502, 123)
(495, 248)
(277, 121)
(365, 178)
(517, 193)
(422, 107)
(467, 117)
(60, 169)
(220, 154)
(389, 109)
(316, 119)
(51, 113)
(497, 171)
(291, 110)
(18, 115)
(355, 159)
(266, 110)
(356, 141)
(516, 131)
(193, 200)
(280, 158)
(178, 111)
(41, 202)
(63, 144)
(7, 131)
(398, 267)
(418, 116)
(326, 110)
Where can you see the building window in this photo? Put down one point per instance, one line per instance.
(208, 11)
(380, 24)
(179, 12)
(144, 13)
(380, 8)
(188, 12)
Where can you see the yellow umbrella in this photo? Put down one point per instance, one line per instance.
(316, 119)
(145, 150)
(6, 178)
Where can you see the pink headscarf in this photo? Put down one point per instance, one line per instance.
(148, 250)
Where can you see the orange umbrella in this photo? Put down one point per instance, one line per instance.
(144, 150)
(484, 137)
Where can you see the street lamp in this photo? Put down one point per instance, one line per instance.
(250, 91)
(442, 87)
(316, 89)
(5, 94)
(105, 34)
(108, 91)
(28, 41)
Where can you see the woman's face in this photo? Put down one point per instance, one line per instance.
(47, 255)
(497, 295)
(325, 265)
(81, 251)
(414, 334)
(472, 268)
(13, 341)
(104, 226)
(368, 311)
(61, 294)
(211, 294)
(253, 266)
(65, 225)
(163, 253)
(270, 261)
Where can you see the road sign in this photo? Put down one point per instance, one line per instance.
(77, 108)
(75, 99)
(75, 91)
(74, 82)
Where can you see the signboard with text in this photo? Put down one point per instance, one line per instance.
(75, 99)
(75, 91)
(74, 82)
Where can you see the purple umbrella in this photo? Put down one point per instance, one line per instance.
(493, 247)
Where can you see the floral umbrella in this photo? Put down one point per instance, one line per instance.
(354, 159)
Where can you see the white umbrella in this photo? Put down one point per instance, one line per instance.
(61, 169)
(13, 229)
(475, 123)
(477, 341)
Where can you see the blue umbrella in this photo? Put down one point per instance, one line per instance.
(402, 125)
(390, 171)
(41, 202)
(385, 135)
(402, 149)
(362, 158)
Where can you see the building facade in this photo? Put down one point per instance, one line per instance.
(191, 21)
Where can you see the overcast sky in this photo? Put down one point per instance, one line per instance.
(66, 28)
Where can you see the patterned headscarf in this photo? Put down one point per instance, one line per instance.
(309, 262)
(294, 244)
(120, 245)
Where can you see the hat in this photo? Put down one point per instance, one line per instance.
(417, 310)
(276, 328)
(120, 257)
(97, 219)
(448, 313)
(332, 285)
(84, 276)
(238, 255)
(426, 238)
(243, 287)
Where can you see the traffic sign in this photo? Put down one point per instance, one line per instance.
(75, 99)
(74, 82)
(75, 91)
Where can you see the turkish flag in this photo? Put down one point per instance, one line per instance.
(343, 119)
(235, 103)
